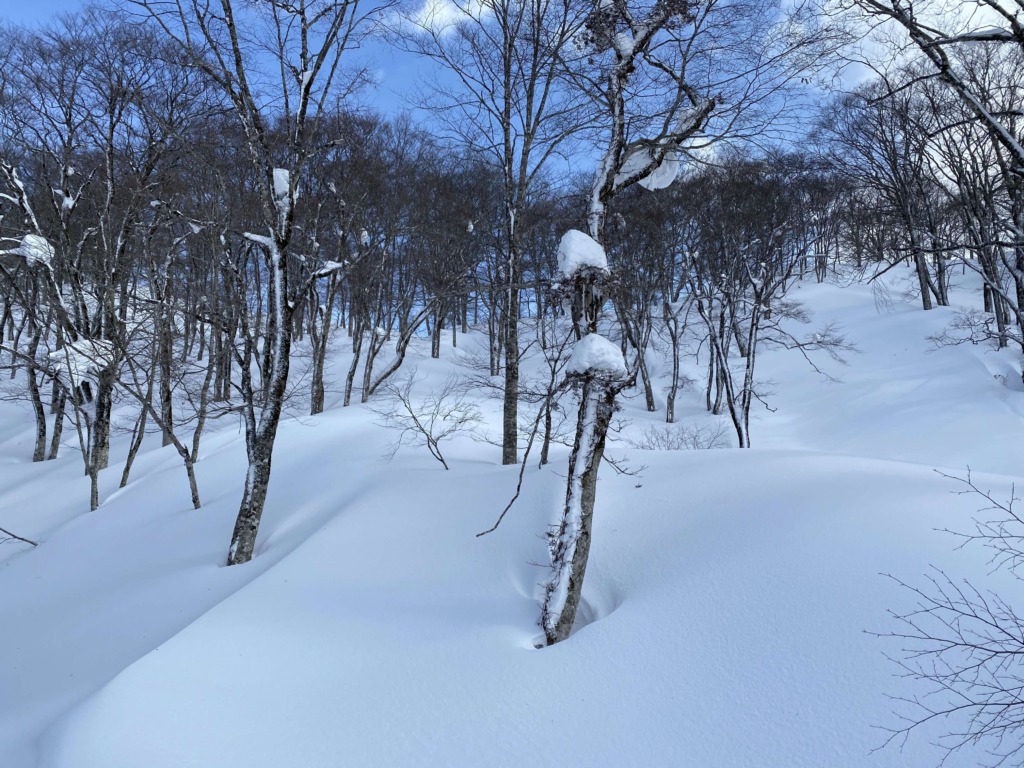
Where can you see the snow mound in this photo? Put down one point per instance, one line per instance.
(594, 354)
(578, 250)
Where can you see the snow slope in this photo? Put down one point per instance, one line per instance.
(727, 597)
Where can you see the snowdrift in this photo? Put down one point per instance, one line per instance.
(729, 602)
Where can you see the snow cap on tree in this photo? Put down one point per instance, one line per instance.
(577, 251)
(658, 176)
(594, 355)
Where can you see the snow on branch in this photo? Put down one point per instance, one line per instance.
(642, 161)
(282, 183)
(329, 268)
(578, 251)
(596, 356)
(35, 249)
(989, 35)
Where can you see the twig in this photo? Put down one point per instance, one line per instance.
(526, 456)
(11, 535)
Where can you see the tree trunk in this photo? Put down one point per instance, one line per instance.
(357, 348)
(58, 404)
(673, 388)
(260, 439)
(510, 405)
(570, 547)
(100, 451)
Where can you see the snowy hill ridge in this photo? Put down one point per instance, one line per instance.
(727, 597)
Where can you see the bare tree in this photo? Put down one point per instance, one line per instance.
(660, 73)
(429, 420)
(509, 103)
(229, 42)
(631, 41)
(963, 647)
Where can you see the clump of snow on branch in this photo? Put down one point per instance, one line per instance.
(35, 249)
(578, 250)
(330, 267)
(67, 201)
(595, 355)
(659, 177)
(624, 44)
(282, 183)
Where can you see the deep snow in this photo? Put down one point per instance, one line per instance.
(728, 592)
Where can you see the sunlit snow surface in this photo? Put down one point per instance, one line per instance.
(726, 600)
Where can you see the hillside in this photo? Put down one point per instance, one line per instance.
(730, 598)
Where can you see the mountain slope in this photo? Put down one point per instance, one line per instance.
(727, 597)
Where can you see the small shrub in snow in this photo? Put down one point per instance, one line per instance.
(963, 646)
(442, 414)
(681, 437)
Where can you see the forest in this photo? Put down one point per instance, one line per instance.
(205, 205)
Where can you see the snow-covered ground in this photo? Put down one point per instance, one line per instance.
(729, 600)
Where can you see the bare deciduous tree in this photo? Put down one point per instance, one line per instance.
(963, 647)
(427, 420)
(293, 82)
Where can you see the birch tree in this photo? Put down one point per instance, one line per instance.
(509, 104)
(631, 40)
(660, 73)
(279, 64)
(92, 141)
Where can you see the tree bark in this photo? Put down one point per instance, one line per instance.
(570, 548)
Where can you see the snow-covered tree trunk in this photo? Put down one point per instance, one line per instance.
(262, 421)
(599, 366)
(652, 160)
(570, 544)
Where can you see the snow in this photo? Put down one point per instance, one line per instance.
(725, 607)
(660, 177)
(67, 201)
(578, 250)
(624, 44)
(330, 267)
(664, 174)
(594, 354)
(81, 360)
(282, 183)
(261, 240)
(35, 249)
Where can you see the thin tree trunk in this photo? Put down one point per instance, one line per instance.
(570, 547)
(58, 403)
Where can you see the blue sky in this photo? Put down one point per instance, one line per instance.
(30, 12)
(396, 73)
